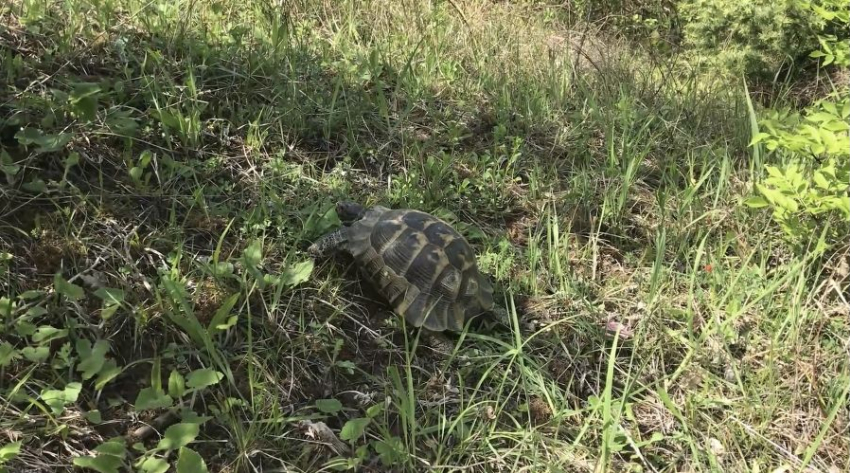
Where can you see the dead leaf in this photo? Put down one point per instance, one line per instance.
(320, 432)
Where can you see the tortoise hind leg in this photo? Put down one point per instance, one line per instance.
(438, 341)
(330, 242)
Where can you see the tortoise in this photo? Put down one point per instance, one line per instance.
(422, 267)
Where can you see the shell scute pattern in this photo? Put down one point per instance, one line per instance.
(425, 269)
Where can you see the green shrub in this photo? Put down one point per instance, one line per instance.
(636, 19)
(753, 37)
(834, 19)
(807, 189)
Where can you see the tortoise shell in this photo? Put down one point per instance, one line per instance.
(425, 269)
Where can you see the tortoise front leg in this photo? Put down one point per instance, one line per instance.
(330, 242)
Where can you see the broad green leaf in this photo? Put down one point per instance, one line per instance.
(167, 118)
(44, 142)
(10, 451)
(73, 159)
(8, 354)
(841, 204)
(821, 11)
(46, 333)
(58, 399)
(31, 294)
(83, 348)
(36, 354)
(202, 378)
(82, 90)
(830, 108)
(829, 140)
(36, 185)
(179, 435)
(154, 465)
(837, 126)
(83, 101)
(36, 311)
(773, 196)
(223, 312)
(100, 463)
(110, 295)
(69, 290)
(10, 170)
(230, 323)
(72, 390)
(114, 446)
(759, 137)
(789, 204)
(347, 365)
(176, 384)
(329, 406)
(223, 268)
(189, 461)
(324, 222)
(109, 371)
(253, 254)
(774, 172)
(5, 158)
(822, 117)
(121, 122)
(298, 273)
(94, 416)
(374, 410)
(6, 307)
(183, 315)
(756, 202)
(136, 173)
(107, 312)
(354, 428)
(820, 180)
(145, 158)
(149, 398)
(190, 416)
(389, 450)
(92, 357)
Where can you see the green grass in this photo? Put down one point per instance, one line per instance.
(165, 165)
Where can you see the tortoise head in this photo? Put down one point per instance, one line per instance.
(348, 211)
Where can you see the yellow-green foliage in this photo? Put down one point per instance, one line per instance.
(807, 188)
(753, 36)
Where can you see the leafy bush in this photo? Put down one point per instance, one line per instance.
(807, 190)
(754, 37)
(834, 17)
(637, 19)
